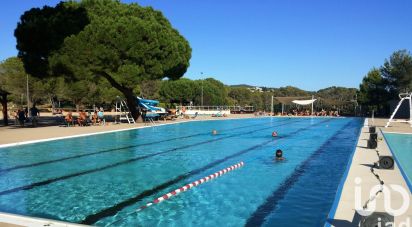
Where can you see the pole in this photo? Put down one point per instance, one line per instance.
(28, 94)
(202, 95)
(312, 107)
(271, 108)
(410, 109)
(201, 101)
(283, 106)
(356, 104)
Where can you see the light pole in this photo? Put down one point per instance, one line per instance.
(27, 90)
(271, 107)
(311, 113)
(201, 100)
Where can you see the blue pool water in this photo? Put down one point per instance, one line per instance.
(400, 145)
(102, 179)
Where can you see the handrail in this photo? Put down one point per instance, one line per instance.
(405, 95)
(249, 108)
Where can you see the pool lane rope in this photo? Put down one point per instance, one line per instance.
(191, 185)
(184, 188)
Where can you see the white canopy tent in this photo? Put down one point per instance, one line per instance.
(295, 100)
(305, 103)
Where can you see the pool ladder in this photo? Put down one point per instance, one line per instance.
(151, 121)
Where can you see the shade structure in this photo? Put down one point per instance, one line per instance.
(296, 100)
(304, 102)
(289, 100)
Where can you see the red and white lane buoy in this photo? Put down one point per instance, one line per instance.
(191, 185)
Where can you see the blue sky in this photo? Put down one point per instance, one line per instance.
(309, 44)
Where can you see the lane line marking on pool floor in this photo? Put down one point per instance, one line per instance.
(110, 211)
(258, 217)
(148, 126)
(185, 188)
(343, 179)
(65, 177)
(111, 131)
(191, 185)
(5, 170)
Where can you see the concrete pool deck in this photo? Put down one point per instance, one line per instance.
(14, 220)
(360, 177)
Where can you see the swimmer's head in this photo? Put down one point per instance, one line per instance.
(214, 132)
(279, 153)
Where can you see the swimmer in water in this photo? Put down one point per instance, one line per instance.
(279, 155)
(214, 132)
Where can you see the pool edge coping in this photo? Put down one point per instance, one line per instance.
(403, 133)
(338, 195)
(22, 220)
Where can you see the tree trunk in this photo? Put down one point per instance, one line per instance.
(3, 101)
(132, 104)
(128, 93)
(52, 105)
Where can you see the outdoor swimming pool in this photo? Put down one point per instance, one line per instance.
(400, 145)
(101, 179)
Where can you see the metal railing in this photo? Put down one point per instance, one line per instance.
(217, 108)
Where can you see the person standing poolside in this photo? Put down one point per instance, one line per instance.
(26, 113)
(16, 117)
(34, 112)
(94, 117)
(100, 116)
(21, 114)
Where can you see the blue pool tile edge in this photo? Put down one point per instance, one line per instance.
(405, 177)
(338, 195)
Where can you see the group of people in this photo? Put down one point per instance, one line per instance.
(324, 113)
(22, 116)
(85, 119)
